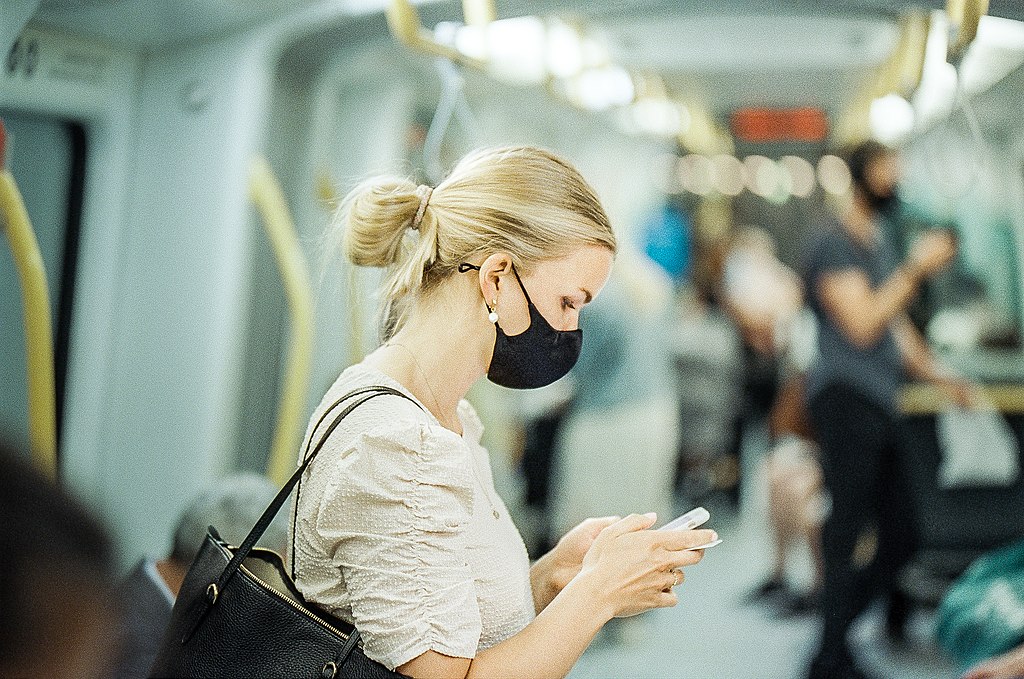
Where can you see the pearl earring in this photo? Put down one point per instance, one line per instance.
(493, 316)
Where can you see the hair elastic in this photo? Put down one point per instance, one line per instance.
(424, 192)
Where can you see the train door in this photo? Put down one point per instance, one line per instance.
(47, 156)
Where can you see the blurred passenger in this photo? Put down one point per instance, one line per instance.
(55, 573)
(543, 412)
(625, 404)
(860, 294)
(796, 501)
(707, 364)
(147, 594)
(762, 297)
(668, 237)
(398, 528)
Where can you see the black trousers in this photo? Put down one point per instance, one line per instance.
(870, 493)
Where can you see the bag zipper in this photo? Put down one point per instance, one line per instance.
(294, 604)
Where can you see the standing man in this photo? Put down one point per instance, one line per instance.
(860, 294)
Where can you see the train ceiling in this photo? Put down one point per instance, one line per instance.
(724, 55)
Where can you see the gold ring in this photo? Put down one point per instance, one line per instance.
(677, 576)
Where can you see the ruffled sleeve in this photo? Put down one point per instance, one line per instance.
(393, 521)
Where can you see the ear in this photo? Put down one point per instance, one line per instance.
(492, 274)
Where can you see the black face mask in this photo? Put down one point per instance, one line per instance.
(886, 204)
(535, 357)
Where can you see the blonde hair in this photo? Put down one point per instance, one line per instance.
(522, 200)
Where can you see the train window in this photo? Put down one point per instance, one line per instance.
(47, 158)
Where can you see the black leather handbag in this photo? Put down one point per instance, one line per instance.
(239, 614)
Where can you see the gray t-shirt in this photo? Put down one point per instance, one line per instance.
(876, 372)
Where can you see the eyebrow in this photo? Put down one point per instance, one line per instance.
(587, 296)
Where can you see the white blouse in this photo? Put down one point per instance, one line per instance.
(400, 532)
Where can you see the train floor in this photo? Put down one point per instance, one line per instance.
(719, 632)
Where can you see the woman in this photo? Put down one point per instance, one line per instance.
(398, 528)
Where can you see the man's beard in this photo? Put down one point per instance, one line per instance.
(883, 204)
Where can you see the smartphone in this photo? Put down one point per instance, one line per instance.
(713, 543)
(689, 520)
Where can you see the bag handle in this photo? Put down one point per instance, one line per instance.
(213, 589)
(261, 526)
(380, 389)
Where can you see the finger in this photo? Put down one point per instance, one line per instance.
(595, 525)
(677, 540)
(683, 559)
(678, 577)
(630, 524)
(666, 600)
(671, 579)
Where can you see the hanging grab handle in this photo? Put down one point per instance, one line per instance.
(266, 193)
(42, 407)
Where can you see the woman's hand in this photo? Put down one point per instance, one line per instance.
(574, 545)
(554, 570)
(635, 568)
(1010, 665)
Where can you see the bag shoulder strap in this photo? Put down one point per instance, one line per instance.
(365, 394)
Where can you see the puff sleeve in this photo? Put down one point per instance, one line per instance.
(393, 521)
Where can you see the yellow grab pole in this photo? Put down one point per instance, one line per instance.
(478, 12)
(42, 407)
(965, 16)
(404, 23)
(266, 193)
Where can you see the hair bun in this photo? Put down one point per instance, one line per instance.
(374, 218)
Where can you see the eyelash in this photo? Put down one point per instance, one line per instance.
(567, 304)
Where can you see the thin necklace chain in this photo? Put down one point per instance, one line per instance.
(419, 368)
(472, 462)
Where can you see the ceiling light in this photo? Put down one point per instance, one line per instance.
(801, 174)
(657, 116)
(599, 89)
(695, 174)
(564, 50)
(761, 175)
(516, 50)
(891, 118)
(834, 175)
(727, 174)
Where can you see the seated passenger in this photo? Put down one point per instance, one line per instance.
(147, 594)
(399, 529)
(55, 570)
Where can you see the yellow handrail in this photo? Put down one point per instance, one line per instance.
(406, 27)
(924, 399)
(266, 194)
(964, 17)
(42, 406)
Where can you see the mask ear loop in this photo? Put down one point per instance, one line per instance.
(492, 315)
(466, 266)
(521, 286)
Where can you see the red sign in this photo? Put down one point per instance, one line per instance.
(766, 125)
